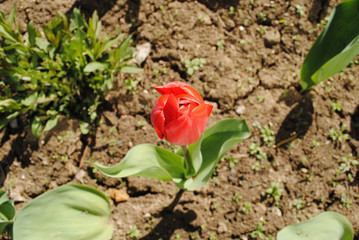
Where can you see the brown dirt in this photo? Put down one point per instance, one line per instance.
(255, 76)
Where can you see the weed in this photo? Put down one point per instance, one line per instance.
(338, 136)
(231, 10)
(262, 18)
(347, 166)
(259, 231)
(299, 10)
(256, 150)
(66, 73)
(346, 201)
(134, 233)
(237, 197)
(267, 135)
(315, 144)
(246, 208)
(261, 29)
(298, 203)
(336, 106)
(212, 236)
(194, 65)
(275, 191)
(231, 161)
(220, 44)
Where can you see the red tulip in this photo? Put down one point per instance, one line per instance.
(180, 114)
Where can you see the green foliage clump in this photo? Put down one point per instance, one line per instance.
(66, 72)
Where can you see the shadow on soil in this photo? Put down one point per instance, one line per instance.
(297, 122)
(354, 124)
(215, 4)
(172, 220)
(87, 7)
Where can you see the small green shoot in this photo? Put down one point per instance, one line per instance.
(275, 191)
(194, 65)
(246, 208)
(347, 166)
(338, 136)
(134, 233)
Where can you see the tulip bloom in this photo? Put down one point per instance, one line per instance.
(180, 114)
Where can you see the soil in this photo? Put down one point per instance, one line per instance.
(253, 58)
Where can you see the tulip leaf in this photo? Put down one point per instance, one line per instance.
(327, 225)
(69, 212)
(335, 48)
(7, 211)
(215, 142)
(147, 160)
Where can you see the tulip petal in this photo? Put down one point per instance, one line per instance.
(158, 117)
(187, 129)
(171, 109)
(179, 88)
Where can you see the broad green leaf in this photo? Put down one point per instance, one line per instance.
(95, 66)
(77, 21)
(69, 212)
(216, 141)
(335, 48)
(51, 123)
(147, 160)
(36, 127)
(32, 34)
(7, 211)
(9, 105)
(130, 69)
(327, 225)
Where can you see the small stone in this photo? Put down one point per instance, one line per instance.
(240, 110)
(80, 176)
(222, 228)
(271, 37)
(119, 195)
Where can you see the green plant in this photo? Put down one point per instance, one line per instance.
(267, 135)
(134, 233)
(220, 44)
(346, 201)
(66, 73)
(327, 225)
(231, 10)
(336, 106)
(299, 10)
(246, 208)
(315, 144)
(194, 65)
(231, 161)
(258, 231)
(68, 212)
(335, 48)
(298, 203)
(275, 191)
(256, 150)
(237, 197)
(347, 166)
(132, 84)
(339, 135)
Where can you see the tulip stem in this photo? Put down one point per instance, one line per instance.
(186, 155)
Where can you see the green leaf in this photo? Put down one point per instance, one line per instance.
(70, 212)
(77, 21)
(130, 69)
(216, 141)
(36, 127)
(51, 123)
(95, 66)
(147, 160)
(32, 34)
(9, 105)
(7, 211)
(84, 127)
(8, 118)
(335, 48)
(327, 225)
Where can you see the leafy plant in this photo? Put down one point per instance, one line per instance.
(68, 212)
(256, 150)
(66, 73)
(347, 166)
(339, 135)
(134, 233)
(194, 65)
(259, 231)
(275, 191)
(151, 161)
(246, 208)
(335, 48)
(327, 225)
